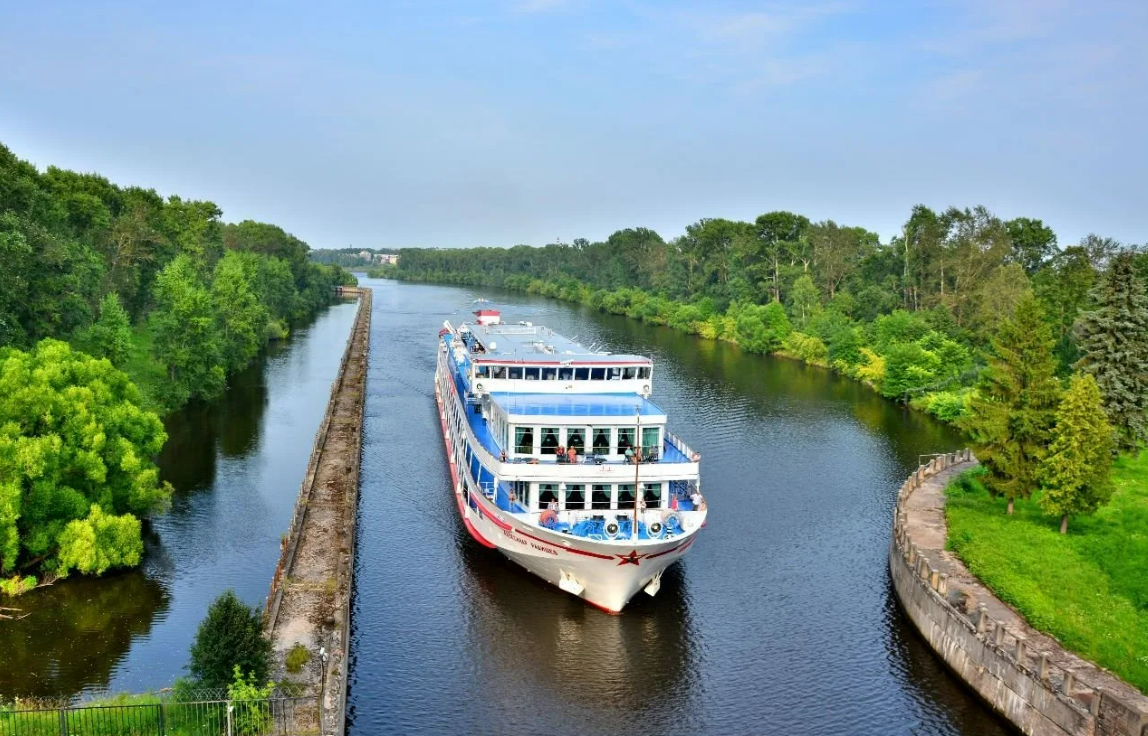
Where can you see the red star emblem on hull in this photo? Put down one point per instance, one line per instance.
(630, 559)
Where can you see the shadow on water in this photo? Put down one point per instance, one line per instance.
(780, 620)
(236, 465)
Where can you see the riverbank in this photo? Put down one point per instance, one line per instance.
(309, 605)
(1088, 588)
(1023, 674)
(909, 356)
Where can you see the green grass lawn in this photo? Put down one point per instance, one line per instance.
(1088, 588)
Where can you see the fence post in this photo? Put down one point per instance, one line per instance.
(63, 722)
(162, 729)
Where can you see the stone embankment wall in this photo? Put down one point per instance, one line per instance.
(310, 600)
(1025, 675)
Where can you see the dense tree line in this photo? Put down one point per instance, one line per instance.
(975, 319)
(107, 291)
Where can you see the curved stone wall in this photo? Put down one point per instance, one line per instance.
(1024, 675)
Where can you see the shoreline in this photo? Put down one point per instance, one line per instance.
(1021, 673)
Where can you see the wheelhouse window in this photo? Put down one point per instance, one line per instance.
(601, 440)
(625, 495)
(576, 438)
(600, 496)
(581, 374)
(597, 374)
(531, 373)
(644, 371)
(515, 373)
(630, 372)
(547, 492)
(481, 371)
(549, 440)
(616, 373)
(498, 371)
(650, 444)
(549, 374)
(626, 439)
(524, 440)
(652, 494)
(565, 373)
(575, 496)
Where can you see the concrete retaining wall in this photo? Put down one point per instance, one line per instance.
(1022, 674)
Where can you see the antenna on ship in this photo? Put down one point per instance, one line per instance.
(637, 465)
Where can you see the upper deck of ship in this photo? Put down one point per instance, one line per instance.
(527, 343)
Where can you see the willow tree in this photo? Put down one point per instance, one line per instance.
(1014, 409)
(75, 461)
(1076, 475)
(1114, 341)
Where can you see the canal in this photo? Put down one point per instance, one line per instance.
(780, 620)
(236, 466)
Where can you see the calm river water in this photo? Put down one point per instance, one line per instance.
(236, 466)
(780, 620)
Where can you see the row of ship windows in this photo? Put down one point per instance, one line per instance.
(562, 373)
(600, 496)
(602, 439)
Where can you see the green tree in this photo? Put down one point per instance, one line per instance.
(186, 338)
(908, 367)
(100, 541)
(1076, 475)
(804, 299)
(230, 636)
(1033, 243)
(111, 336)
(73, 435)
(1013, 412)
(1114, 340)
(241, 318)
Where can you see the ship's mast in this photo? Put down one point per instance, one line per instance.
(637, 465)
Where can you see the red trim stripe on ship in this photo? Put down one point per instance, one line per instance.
(454, 481)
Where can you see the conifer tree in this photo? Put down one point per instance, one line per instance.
(1075, 476)
(1014, 409)
(1114, 341)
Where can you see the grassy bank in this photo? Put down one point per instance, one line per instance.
(1088, 588)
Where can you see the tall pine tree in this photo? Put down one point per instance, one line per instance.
(1114, 341)
(1076, 476)
(1014, 408)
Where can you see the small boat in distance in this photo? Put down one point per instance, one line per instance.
(559, 459)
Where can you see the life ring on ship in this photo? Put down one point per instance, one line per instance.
(672, 520)
(655, 530)
(548, 518)
(611, 530)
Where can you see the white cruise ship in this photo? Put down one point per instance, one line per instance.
(560, 461)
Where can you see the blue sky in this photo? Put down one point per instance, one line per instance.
(389, 124)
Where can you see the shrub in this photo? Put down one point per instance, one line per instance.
(807, 348)
(872, 370)
(17, 585)
(297, 657)
(231, 636)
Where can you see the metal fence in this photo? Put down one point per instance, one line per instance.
(271, 717)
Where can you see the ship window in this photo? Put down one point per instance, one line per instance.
(547, 492)
(597, 374)
(549, 374)
(576, 438)
(601, 440)
(600, 497)
(516, 372)
(524, 440)
(575, 496)
(625, 495)
(480, 371)
(644, 372)
(520, 491)
(652, 493)
(625, 439)
(531, 373)
(630, 372)
(581, 374)
(498, 371)
(565, 374)
(615, 373)
(650, 445)
(549, 440)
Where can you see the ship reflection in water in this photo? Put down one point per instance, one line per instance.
(536, 646)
